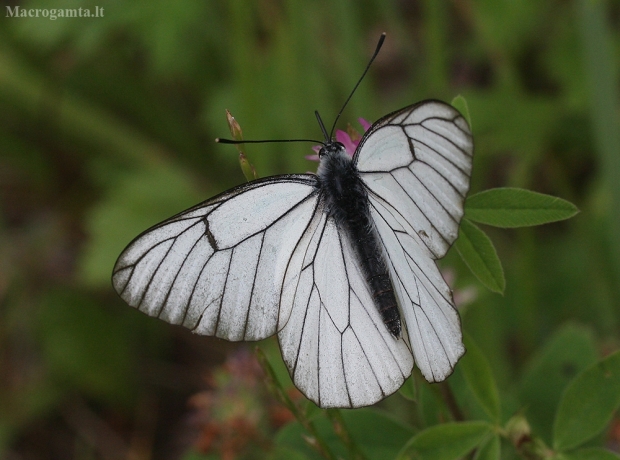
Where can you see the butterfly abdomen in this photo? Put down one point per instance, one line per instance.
(346, 201)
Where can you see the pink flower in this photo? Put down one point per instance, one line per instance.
(349, 139)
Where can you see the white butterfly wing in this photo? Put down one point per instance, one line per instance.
(218, 267)
(265, 258)
(432, 323)
(416, 164)
(420, 159)
(337, 348)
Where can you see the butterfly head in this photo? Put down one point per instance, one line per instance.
(332, 159)
(332, 148)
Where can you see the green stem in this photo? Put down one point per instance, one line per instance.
(340, 428)
(450, 400)
(315, 440)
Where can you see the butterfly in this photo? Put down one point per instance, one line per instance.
(341, 264)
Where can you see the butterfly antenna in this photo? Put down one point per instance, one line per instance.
(219, 140)
(379, 45)
(318, 117)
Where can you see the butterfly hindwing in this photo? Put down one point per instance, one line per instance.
(425, 300)
(333, 340)
(218, 267)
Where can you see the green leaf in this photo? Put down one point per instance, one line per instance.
(445, 442)
(460, 104)
(588, 403)
(294, 437)
(408, 390)
(430, 408)
(590, 453)
(285, 453)
(489, 450)
(515, 207)
(375, 433)
(479, 378)
(570, 350)
(478, 253)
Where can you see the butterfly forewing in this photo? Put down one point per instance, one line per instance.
(419, 159)
(218, 268)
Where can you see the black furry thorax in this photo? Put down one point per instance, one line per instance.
(343, 191)
(345, 198)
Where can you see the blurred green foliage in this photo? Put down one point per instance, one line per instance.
(107, 127)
